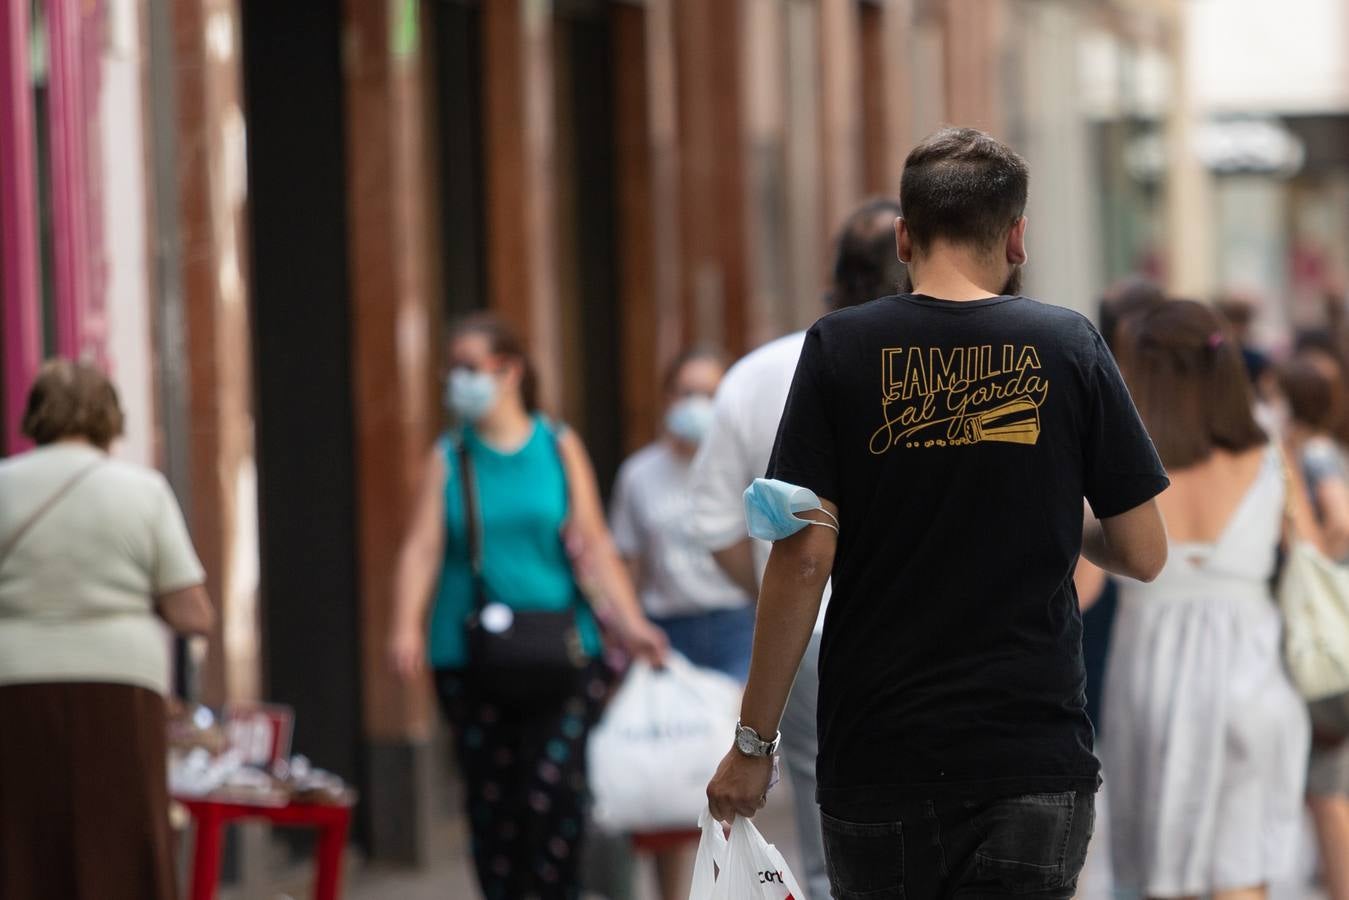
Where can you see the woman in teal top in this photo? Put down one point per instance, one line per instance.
(542, 524)
(523, 503)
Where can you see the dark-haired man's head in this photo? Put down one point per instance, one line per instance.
(964, 198)
(865, 264)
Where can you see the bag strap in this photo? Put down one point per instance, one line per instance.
(468, 484)
(27, 525)
(1290, 499)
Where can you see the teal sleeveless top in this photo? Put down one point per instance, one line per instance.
(522, 499)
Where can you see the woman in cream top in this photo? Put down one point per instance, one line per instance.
(96, 570)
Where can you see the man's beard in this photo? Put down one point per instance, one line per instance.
(1010, 288)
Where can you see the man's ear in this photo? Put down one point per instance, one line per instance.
(1016, 243)
(903, 241)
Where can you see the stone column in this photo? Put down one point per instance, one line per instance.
(393, 370)
(840, 111)
(520, 159)
(1190, 210)
(211, 209)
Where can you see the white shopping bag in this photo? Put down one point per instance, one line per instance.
(746, 867)
(659, 744)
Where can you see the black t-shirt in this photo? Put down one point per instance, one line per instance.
(958, 440)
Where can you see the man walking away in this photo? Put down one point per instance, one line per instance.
(748, 407)
(942, 442)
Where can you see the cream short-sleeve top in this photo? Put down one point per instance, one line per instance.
(77, 591)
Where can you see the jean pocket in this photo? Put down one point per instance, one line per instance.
(865, 860)
(1036, 842)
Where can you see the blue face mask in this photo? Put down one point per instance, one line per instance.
(690, 419)
(771, 507)
(469, 394)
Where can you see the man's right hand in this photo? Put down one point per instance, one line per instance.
(407, 653)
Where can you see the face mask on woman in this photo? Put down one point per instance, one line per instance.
(690, 419)
(470, 395)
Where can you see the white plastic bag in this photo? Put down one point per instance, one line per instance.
(659, 744)
(746, 867)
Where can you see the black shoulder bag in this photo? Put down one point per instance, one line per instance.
(517, 657)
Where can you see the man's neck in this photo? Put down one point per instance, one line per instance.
(950, 273)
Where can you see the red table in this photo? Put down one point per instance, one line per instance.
(211, 817)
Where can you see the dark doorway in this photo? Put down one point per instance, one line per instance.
(293, 84)
(587, 221)
(456, 35)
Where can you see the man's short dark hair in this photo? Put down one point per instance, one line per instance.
(866, 263)
(963, 186)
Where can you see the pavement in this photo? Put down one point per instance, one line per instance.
(450, 876)
(624, 876)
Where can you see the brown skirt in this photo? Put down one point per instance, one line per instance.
(83, 793)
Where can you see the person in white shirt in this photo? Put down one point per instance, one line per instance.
(708, 618)
(746, 412)
(96, 568)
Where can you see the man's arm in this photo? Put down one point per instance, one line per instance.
(1090, 583)
(1132, 544)
(789, 603)
(737, 563)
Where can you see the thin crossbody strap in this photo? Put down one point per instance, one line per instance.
(468, 484)
(1290, 498)
(46, 507)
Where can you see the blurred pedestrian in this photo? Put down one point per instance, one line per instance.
(1240, 312)
(707, 617)
(955, 753)
(748, 406)
(1123, 299)
(508, 520)
(95, 561)
(1206, 739)
(1312, 388)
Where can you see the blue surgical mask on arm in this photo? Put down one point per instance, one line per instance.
(771, 508)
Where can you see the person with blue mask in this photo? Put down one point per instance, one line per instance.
(707, 617)
(932, 461)
(509, 522)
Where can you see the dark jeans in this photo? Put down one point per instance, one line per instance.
(1031, 846)
(718, 639)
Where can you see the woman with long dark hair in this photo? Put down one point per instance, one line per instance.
(1205, 738)
(508, 523)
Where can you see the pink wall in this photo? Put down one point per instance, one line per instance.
(74, 30)
(18, 222)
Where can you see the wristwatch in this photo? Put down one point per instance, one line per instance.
(748, 742)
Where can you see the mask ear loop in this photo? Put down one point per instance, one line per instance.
(833, 524)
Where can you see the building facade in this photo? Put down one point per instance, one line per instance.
(260, 215)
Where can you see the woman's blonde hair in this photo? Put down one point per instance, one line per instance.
(72, 400)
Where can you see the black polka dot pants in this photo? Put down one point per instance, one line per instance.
(525, 784)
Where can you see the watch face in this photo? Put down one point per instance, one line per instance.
(747, 744)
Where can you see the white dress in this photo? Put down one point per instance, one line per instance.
(1205, 739)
